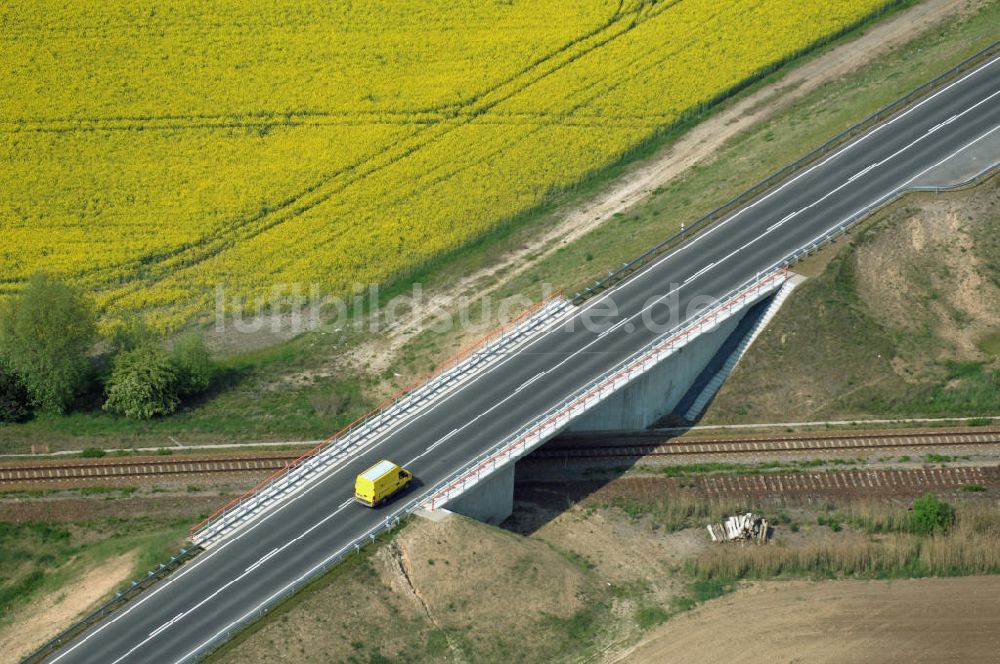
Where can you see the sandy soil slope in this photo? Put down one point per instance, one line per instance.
(921, 620)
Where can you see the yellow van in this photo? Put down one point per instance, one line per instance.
(374, 486)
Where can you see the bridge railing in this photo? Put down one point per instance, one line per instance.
(536, 432)
(387, 415)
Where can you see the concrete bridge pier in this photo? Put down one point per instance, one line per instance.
(652, 397)
(681, 385)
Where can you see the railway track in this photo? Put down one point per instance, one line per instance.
(611, 446)
(579, 446)
(131, 469)
(865, 482)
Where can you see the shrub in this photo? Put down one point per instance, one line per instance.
(92, 452)
(192, 362)
(146, 380)
(14, 400)
(129, 334)
(930, 514)
(143, 384)
(650, 616)
(46, 335)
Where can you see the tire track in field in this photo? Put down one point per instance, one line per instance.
(425, 180)
(428, 179)
(316, 119)
(158, 266)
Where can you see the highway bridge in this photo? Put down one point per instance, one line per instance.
(246, 567)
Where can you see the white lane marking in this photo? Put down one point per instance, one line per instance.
(262, 560)
(942, 124)
(568, 314)
(862, 172)
(700, 272)
(780, 222)
(441, 440)
(609, 330)
(166, 624)
(432, 447)
(526, 383)
(953, 154)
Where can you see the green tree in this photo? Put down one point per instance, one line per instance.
(46, 335)
(930, 514)
(129, 334)
(143, 383)
(194, 366)
(13, 397)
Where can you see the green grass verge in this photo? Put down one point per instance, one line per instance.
(39, 558)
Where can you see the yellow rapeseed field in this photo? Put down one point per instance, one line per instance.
(152, 150)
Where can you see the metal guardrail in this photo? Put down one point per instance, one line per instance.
(517, 444)
(112, 605)
(630, 267)
(383, 417)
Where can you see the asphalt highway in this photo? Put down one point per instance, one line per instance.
(183, 615)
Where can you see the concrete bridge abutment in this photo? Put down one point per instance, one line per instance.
(679, 386)
(653, 396)
(491, 501)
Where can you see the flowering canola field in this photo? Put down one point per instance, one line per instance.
(154, 150)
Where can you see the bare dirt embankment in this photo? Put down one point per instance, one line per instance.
(902, 321)
(41, 620)
(914, 620)
(450, 591)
